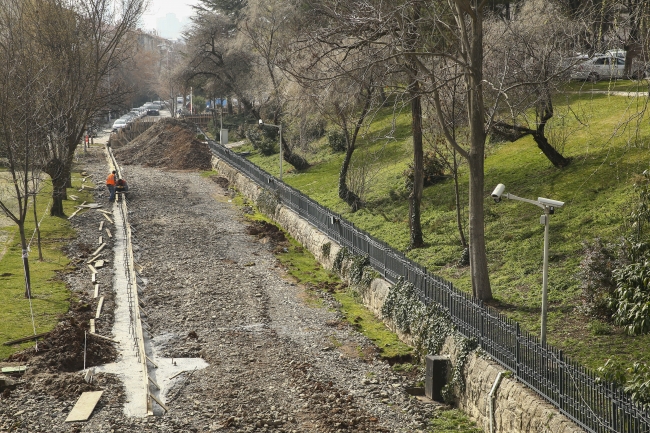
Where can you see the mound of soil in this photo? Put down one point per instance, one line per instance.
(63, 348)
(262, 229)
(169, 143)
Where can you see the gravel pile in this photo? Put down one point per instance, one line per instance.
(213, 290)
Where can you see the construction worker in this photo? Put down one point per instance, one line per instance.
(110, 184)
(121, 187)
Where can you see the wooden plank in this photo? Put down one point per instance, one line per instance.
(84, 406)
(108, 232)
(23, 339)
(74, 197)
(108, 218)
(101, 247)
(99, 307)
(153, 363)
(94, 278)
(99, 264)
(92, 268)
(74, 213)
(105, 212)
(101, 240)
(92, 326)
(101, 225)
(153, 382)
(96, 291)
(14, 370)
(105, 338)
(160, 403)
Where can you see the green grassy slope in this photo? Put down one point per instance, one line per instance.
(608, 147)
(51, 298)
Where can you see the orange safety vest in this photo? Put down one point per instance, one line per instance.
(110, 180)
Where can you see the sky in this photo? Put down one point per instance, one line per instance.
(168, 17)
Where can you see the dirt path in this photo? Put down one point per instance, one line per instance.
(211, 290)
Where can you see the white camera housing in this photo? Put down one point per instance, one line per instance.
(549, 202)
(496, 194)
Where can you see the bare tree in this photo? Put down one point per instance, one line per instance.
(79, 41)
(23, 84)
(526, 65)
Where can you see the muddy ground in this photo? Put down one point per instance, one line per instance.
(212, 289)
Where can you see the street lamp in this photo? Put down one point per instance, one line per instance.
(549, 209)
(261, 122)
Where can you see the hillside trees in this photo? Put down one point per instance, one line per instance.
(524, 70)
(79, 43)
(23, 84)
(264, 29)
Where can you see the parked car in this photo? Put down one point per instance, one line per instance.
(598, 68)
(119, 124)
(151, 111)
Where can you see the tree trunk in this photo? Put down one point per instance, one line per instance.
(38, 231)
(459, 217)
(345, 194)
(415, 199)
(58, 172)
(294, 159)
(549, 151)
(23, 244)
(476, 159)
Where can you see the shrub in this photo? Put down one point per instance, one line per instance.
(433, 168)
(336, 140)
(261, 141)
(597, 279)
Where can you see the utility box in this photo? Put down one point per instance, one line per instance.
(223, 137)
(438, 370)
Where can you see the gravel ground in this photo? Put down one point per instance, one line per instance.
(277, 363)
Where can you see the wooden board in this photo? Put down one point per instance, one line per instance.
(12, 370)
(99, 264)
(94, 278)
(101, 247)
(96, 291)
(99, 307)
(108, 232)
(84, 406)
(108, 218)
(92, 326)
(101, 240)
(92, 269)
(22, 340)
(101, 225)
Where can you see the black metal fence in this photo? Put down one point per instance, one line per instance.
(594, 405)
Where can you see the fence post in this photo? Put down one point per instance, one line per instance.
(561, 397)
(517, 335)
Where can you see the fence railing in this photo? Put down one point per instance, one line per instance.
(595, 405)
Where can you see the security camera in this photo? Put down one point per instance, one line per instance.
(496, 194)
(548, 202)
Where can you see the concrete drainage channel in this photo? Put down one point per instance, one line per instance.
(146, 377)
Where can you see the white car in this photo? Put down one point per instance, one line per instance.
(119, 124)
(598, 68)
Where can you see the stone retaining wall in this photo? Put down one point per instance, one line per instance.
(516, 408)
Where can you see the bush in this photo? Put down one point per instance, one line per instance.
(433, 168)
(597, 279)
(336, 140)
(261, 141)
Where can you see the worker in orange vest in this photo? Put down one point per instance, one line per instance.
(110, 184)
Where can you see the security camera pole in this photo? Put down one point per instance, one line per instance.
(261, 122)
(549, 209)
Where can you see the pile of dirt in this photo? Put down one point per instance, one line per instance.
(262, 230)
(169, 143)
(63, 348)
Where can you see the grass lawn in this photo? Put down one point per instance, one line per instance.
(606, 138)
(50, 297)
